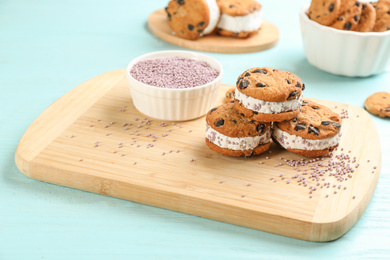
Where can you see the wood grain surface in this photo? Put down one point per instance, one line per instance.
(95, 140)
(266, 38)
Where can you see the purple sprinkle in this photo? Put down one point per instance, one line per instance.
(175, 72)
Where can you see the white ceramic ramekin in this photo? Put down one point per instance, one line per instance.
(174, 104)
(346, 53)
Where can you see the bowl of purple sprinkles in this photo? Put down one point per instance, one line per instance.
(344, 52)
(174, 85)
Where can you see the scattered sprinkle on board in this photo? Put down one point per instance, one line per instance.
(305, 198)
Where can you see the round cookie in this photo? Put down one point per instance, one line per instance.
(314, 132)
(382, 22)
(268, 95)
(367, 18)
(239, 18)
(324, 12)
(229, 95)
(230, 133)
(378, 104)
(191, 19)
(349, 15)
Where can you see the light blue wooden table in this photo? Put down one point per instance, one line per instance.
(49, 47)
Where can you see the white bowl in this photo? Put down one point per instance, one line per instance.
(346, 53)
(174, 104)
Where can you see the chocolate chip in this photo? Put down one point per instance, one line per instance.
(331, 7)
(255, 112)
(314, 107)
(364, 6)
(260, 85)
(234, 121)
(260, 71)
(199, 30)
(219, 123)
(180, 2)
(303, 87)
(288, 81)
(347, 26)
(247, 74)
(305, 102)
(238, 80)
(190, 27)
(232, 6)
(357, 3)
(244, 84)
(340, 18)
(298, 85)
(388, 12)
(212, 110)
(201, 24)
(292, 94)
(299, 127)
(313, 130)
(325, 123)
(335, 124)
(294, 120)
(242, 114)
(356, 18)
(260, 128)
(387, 109)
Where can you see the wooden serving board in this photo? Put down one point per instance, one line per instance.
(94, 139)
(266, 38)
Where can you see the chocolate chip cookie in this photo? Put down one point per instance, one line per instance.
(229, 95)
(367, 18)
(268, 95)
(349, 15)
(229, 132)
(382, 22)
(191, 19)
(314, 132)
(378, 104)
(324, 12)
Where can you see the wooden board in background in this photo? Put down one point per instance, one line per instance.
(266, 38)
(84, 140)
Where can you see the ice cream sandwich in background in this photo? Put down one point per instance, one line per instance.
(239, 18)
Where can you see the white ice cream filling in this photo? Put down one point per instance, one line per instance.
(247, 23)
(267, 107)
(214, 16)
(289, 141)
(237, 143)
